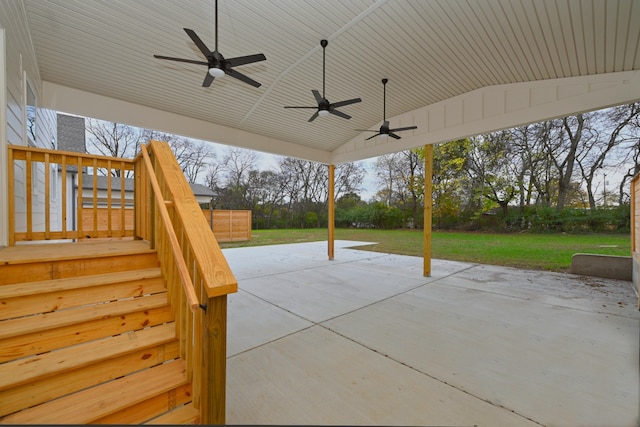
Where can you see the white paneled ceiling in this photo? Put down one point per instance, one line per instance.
(430, 50)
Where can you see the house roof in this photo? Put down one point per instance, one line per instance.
(455, 67)
(102, 184)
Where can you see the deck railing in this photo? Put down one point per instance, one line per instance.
(46, 196)
(166, 214)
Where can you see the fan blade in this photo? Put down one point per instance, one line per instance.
(393, 135)
(242, 60)
(208, 79)
(242, 77)
(313, 117)
(365, 130)
(194, 37)
(301, 107)
(373, 136)
(190, 61)
(348, 102)
(339, 114)
(317, 96)
(401, 129)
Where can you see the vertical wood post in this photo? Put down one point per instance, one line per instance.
(214, 361)
(151, 203)
(428, 207)
(11, 198)
(331, 208)
(79, 207)
(635, 256)
(137, 197)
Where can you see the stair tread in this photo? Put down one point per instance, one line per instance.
(186, 414)
(33, 253)
(42, 390)
(85, 406)
(29, 368)
(58, 319)
(150, 408)
(69, 283)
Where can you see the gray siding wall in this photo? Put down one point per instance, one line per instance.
(21, 67)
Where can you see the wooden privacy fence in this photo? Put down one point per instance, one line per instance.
(229, 226)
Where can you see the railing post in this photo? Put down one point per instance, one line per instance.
(214, 362)
(11, 210)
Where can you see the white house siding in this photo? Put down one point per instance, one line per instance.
(20, 64)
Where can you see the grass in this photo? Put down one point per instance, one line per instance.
(529, 251)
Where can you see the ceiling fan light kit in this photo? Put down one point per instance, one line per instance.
(217, 65)
(216, 72)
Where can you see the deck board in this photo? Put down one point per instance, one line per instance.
(34, 252)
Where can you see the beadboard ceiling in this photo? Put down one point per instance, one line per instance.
(430, 50)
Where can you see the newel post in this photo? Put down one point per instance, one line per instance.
(214, 361)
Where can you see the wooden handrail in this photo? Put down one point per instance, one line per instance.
(171, 220)
(187, 284)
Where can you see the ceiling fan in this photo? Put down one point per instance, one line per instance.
(384, 129)
(218, 65)
(324, 107)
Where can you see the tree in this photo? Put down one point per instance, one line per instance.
(113, 140)
(306, 187)
(634, 157)
(402, 177)
(237, 164)
(268, 194)
(192, 156)
(411, 173)
(491, 166)
(385, 168)
(563, 149)
(626, 156)
(608, 134)
(531, 166)
(450, 182)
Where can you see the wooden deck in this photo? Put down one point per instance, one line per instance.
(33, 252)
(48, 284)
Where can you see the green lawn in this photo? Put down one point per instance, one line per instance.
(531, 251)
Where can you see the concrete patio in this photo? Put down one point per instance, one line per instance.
(366, 339)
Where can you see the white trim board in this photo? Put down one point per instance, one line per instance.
(497, 107)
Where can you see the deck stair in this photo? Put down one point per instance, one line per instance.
(87, 336)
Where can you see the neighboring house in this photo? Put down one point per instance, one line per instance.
(203, 194)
